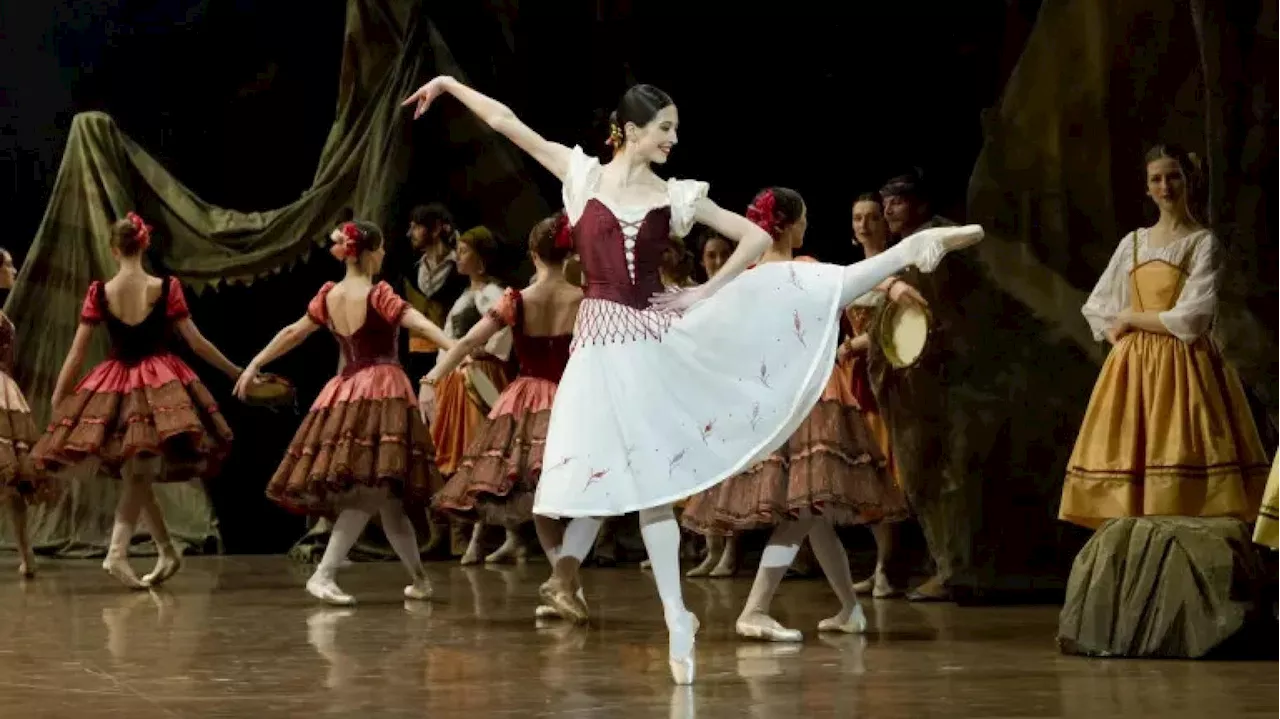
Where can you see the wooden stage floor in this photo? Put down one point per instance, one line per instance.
(237, 637)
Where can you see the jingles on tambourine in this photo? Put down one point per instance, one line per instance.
(480, 389)
(905, 327)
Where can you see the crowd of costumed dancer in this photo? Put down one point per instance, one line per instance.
(632, 396)
(668, 393)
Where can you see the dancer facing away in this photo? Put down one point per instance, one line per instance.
(141, 414)
(829, 472)
(363, 447)
(497, 477)
(20, 483)
(1168, 430)
(667, 394)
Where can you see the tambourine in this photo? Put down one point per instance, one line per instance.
(480, 389)
(905, 327)
(270, 390)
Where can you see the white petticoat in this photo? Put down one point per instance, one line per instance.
(645, 416)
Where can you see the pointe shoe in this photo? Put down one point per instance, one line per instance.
(546, 611)
(682, 630)
(931, 245)
(763, 626)
(728, 564)
(166, 566)
(646, 565)
(27, 567)
(572, 607)
(327, 591)
(470, 557)
(123, 573)
(855, 623)
(420, 590)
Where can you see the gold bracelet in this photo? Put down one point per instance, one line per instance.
(426, 380)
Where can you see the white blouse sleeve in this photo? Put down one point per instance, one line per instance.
(579, 179)
(499, 345)
(684, 196)
(1192, 315)
(1111, 294)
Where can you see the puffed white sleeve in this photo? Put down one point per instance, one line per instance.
(1192, 315)
(1111, 294)
(579, 179)
(684, 196)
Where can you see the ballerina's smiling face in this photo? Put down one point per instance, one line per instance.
(657, 138)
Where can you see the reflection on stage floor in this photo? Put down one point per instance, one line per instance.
(238, 637)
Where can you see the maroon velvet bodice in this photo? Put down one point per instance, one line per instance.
(600, 242)
(540, 357)
(375, 343)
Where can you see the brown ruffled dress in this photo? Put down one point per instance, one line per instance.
(143, 401)
(18, 433)
(832, 466)
(364, 431)
(498, 475)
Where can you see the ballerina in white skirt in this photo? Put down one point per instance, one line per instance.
(669, 393)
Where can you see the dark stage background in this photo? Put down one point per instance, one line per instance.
(236, 98)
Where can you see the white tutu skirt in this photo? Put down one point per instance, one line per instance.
(655, 407)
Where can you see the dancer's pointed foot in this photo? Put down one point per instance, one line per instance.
(681, 632)
(851, 620)
(570, 605)
(167, 565)
(757, 625)
(420, 590)
(929, 246)
(27, 566)
(471, 556)
(727, 566)
(325, 589)
(546, 611)
(119, 568)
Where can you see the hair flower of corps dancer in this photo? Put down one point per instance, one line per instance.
(564, 233)
(761, 212)
(347, 241)
(141, 230)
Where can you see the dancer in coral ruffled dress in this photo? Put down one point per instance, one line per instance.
(142, 415)
(363, 447)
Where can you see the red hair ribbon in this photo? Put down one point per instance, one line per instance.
(349, 245)
(141, 229)
(761, 212)
(564, 233)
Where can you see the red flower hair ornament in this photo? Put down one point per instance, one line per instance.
(140, 229)
(348, 241)
(563, 233)
(761, 212)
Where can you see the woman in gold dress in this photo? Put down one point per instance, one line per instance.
(1167, 430)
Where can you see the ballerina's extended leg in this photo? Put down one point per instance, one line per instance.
(925, 250)
(661, 536)
(399, 531)
(779, 553)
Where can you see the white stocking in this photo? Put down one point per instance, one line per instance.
(777, 556)
(400, 534)
(346, 530)
(862, 277)
(579, 537)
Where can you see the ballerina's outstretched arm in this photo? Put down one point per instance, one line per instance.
(551, 155)
(283, 343)
(205, 349)
(751, 245)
